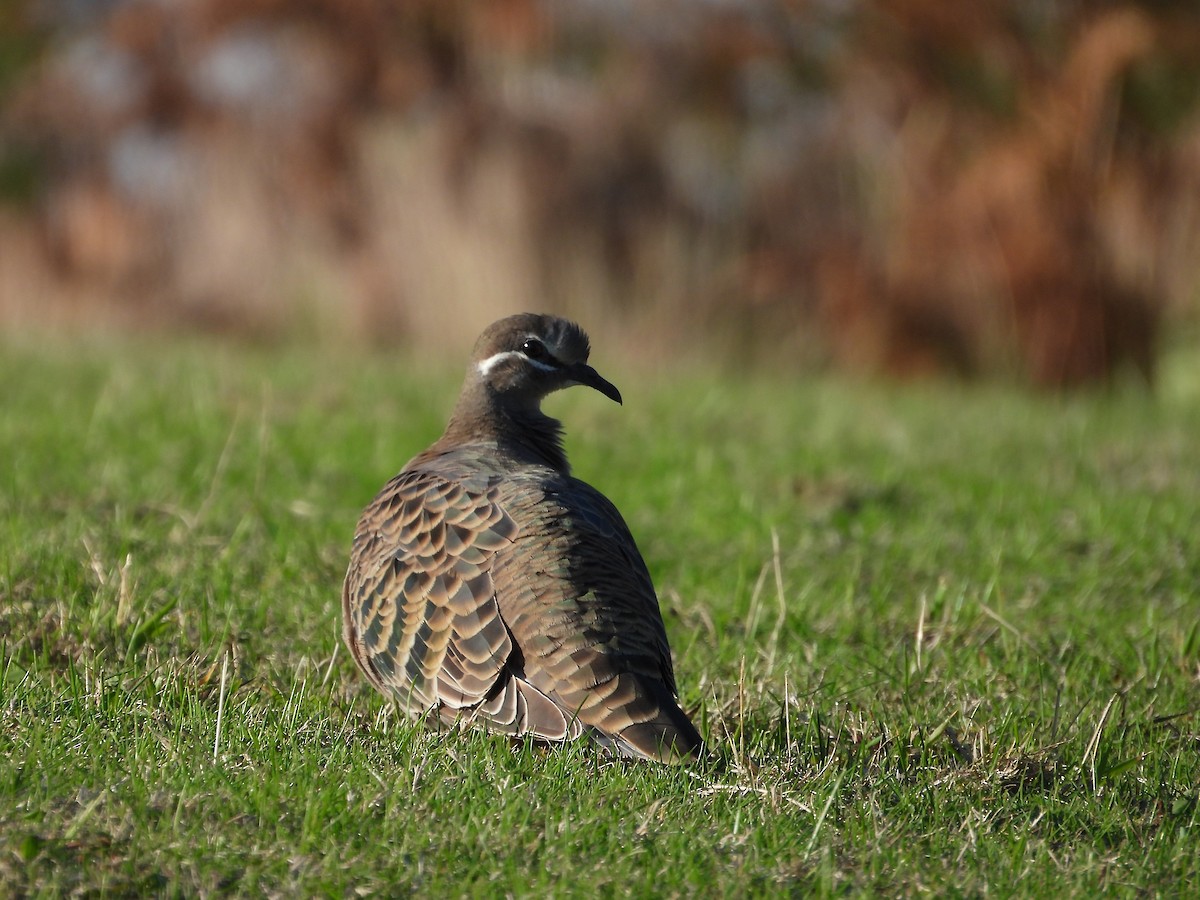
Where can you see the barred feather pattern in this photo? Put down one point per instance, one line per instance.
(512, 596)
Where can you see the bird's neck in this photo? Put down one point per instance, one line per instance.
(523, 433)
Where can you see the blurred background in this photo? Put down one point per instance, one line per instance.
(1000, 188)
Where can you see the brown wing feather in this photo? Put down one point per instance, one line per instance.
(420, 610)
(419, 605)
(580, 604)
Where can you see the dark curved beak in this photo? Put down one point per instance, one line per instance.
(581, 373)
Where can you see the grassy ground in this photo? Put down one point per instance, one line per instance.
(940, 639)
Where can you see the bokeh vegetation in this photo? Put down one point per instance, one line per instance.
(897, 186)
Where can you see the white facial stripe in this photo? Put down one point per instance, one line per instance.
(486, 365)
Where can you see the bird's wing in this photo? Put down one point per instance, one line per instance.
(420, 610)
(578, 600)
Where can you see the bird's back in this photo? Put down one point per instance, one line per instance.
(512, 594)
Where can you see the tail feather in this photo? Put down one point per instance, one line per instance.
(669, 736)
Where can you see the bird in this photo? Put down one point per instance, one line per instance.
(488, 586)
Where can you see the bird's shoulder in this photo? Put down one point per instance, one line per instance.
(529, 492)
(437, 510)
(486, 504)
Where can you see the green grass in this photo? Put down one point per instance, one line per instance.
(940, 639)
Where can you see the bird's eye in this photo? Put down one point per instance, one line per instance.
(536, 350)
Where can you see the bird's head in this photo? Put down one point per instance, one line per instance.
(521, 359)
